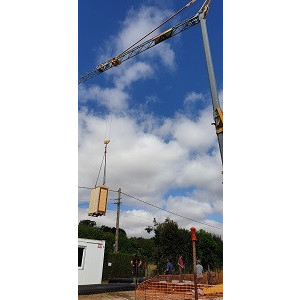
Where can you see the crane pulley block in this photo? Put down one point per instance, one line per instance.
(206, 9)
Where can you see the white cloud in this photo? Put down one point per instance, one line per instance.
(116, 98)
(215, 229)
(133, 221)
(194, 135)
(135, 72)
(192, 97)
(137, 24)
(146, 166)
(111, 98)
(141, 162)
(194, 208)
(166, 54)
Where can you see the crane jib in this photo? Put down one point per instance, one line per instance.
(140, 48)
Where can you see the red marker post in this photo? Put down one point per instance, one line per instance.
(194, 239)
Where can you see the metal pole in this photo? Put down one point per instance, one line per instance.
(212, 81)
(117, 221)
(194, 238)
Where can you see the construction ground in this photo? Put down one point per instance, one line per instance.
(128, 295)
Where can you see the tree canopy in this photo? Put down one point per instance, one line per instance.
(169, 242)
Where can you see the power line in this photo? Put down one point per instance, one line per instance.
(168, 211)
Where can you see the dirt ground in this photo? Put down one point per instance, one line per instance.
(129, 295)
(114, 296)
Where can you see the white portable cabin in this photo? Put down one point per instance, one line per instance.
(90, 261)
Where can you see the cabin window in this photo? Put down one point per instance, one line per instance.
(81, 252)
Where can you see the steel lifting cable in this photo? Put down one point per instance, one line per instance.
(111, 116)
(188, 4)
(106, 141)
(105, 132)
(105, 151)
(99, 170)
(103, 159)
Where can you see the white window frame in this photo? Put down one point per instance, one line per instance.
(83, 257)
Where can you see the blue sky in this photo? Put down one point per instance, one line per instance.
(155, 108)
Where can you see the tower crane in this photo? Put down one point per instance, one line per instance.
(199, 17)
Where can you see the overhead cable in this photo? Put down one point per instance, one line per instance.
(168, 211)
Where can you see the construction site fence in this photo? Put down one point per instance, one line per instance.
(207, 277)
(177, 287)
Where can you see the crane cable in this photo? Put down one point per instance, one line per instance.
(103, 159)
(188, 4)
(105, 151)
(99, 170)
(206, 8)
(107, 133)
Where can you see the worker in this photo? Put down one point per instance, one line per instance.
(180, 264)
(199, 271)
(169, 268)
(135, 262)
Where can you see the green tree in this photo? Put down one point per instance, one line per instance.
(87, 223)
(130, 246)
(96, 233)
(208, 250)
(219, 243)
(168, 242)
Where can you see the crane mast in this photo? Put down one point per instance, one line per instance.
(217, 111)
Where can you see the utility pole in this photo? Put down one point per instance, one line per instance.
(217, 112)
(117, 222)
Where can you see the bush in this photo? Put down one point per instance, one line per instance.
(121, 267)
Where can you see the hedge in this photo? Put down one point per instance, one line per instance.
(120, 266)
